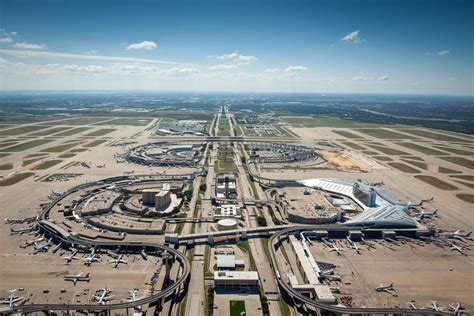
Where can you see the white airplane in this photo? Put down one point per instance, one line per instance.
(385, 288)
(22, 230)
(90, 259)
(455, 247)
(336, 249)
(133, 296)
(458, 310)
(353, 244)
(412, 305)
(44, 247)
(33, 242)
(463, 236)
(117, 261)
(434, 306)
(12, 298)
(422, 214)
(77, 277)
(104, 296)
(71, 257)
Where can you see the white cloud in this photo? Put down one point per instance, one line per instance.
(271, 70)
(182, 71)
(238, 58)
(143, 45)
(24, 45)
(91, 52)
(452, 78)
(6, 40)
(352, 37)
(86, 69)
(383, 78)
(43, 54)
(440, 53)
(295, 69)
(222, 67)
(364, 78)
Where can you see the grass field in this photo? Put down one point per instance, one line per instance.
(7, 144)
(15, 179)
(422, 149)
(82, 120)
(46, 164)
(27, 145)
(383, 133)
(353, 145)
(347, 134)
(323, 121)
(27, 162)
(463, 177)
(60, 148)
(455, 150)
(224, 128)
(50, 131)
(4, 155)
(413, 158)
(22, 130)
(237, 308)
(387, 150)
(437, 183)
(66, 155)
(447, 170)
(7, 166)
(382, 158)
(95, 143)
(403, 167)
(101, 132)
(459, 161)
(138, 121)
(73, 131)
(469, 198)
(432, 135)
(418, 164)
(467, 184)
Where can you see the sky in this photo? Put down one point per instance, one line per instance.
(331, 46)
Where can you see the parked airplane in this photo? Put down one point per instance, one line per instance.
(412, 305)
(422, 214)
(33, 242)
(434, 306)
(463, 236)
(71, 257)
(455, 247)
(385, 288)
(90, 259)
(117, 261)
(22, 230)
(77, 277)
(104, 296)
(44, 247)
(336, 249)
(458, 310)
(12, 299)
(353, 244)
(133, 296)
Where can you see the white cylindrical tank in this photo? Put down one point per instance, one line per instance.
(227, 224)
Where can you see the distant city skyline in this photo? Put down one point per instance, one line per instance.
(408, 47)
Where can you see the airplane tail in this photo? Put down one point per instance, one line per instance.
(391, 284)
(468, 234)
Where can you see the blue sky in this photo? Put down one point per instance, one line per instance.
(421, 47)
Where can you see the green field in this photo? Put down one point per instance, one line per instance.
(422, 149)
(467, 184)
(382, 158)
(347, 134)
(447, 170)
(237, 308)
(73, 131)
(4, 155)
(432, 135)
(46, 164)
(353, 145)
(101, 132)
(418, 164)
(128, 121)
(15, 178)
(463, 177)
(50, 131)
(60, 148)
(324, 121)
(459, 161)
(66, 155)
(22, 130)
(469, 198)
(95, 143)
(403, 167)
(224, 128)
(86, 120)
(27, 145)
(6, 166)
(383, 133)
(455, 150)
(437, 183)
(7, 144)
(387, 150)
(30, 161)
